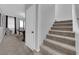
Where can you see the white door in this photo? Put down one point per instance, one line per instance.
(30, 27)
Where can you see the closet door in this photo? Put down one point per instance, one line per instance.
(30, 27)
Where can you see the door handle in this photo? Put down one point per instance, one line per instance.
(32, 31)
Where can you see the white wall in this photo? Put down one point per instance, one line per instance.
(77, 13)
(2, 27)
(44, 20)
(1, 33)
(4, 23)
(77, 10)
(46, 14)
(78, 22)
(63, 12)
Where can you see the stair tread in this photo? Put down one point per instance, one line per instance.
(62, 27)
(59, 38)
(62, 31)
(65, 21)
(52, 51)
(67, 46)
(66, 37)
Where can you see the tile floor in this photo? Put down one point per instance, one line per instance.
(10, 45)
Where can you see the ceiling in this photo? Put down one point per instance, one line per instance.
(15, 10)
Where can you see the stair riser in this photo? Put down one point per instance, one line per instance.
(56, 43)
(59, 48)
(62, 40)
(64, 29)
(62, 24)
(62, 33)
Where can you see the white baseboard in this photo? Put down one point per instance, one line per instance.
(29, 47)
(37, 50)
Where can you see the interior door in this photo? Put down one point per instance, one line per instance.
(30, 27)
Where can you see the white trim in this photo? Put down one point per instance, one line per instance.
(29, 47)
(63, 19)
(37, 50)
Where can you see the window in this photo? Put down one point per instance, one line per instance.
(21, 24)
(11, 24)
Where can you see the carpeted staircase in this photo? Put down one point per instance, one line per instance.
(60, 40)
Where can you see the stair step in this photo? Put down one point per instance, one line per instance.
(65, 48)
(62, 24)
(63, 33)
(62, 39)
(63, 21)
(64, 28)
(48, 51)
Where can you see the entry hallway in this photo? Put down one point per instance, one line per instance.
(10, 45)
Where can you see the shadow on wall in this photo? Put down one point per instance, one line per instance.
(78, 22)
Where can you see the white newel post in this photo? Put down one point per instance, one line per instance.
(74, 19)
(75, 28)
